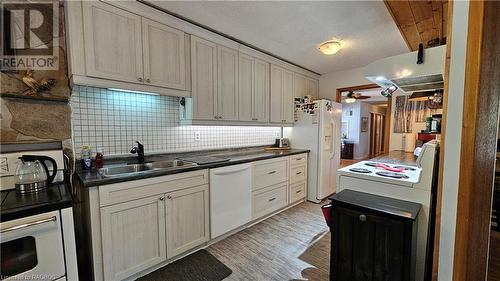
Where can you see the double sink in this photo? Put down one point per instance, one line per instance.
(130, 169)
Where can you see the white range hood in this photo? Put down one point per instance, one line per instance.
(404, 72)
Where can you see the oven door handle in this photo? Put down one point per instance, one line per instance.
(28, 224)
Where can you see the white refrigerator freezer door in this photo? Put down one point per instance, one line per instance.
(329, 157)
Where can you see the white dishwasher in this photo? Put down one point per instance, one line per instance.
(230, 198)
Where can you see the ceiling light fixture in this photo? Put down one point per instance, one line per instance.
(350, 100)
(330, 47)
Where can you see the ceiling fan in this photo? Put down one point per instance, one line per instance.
(352, 97)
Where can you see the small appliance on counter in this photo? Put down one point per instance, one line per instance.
(32, 173)
(282, 143)
(36, 219)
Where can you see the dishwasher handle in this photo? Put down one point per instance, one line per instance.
(229, 171)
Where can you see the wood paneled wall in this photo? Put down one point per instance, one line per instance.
(420, 21)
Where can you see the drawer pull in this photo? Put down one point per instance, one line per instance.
(298, 173)
(298, 191)
(272, 172)
(272, 199)
(298, 159)
(362, 217)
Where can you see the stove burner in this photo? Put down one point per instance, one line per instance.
(360, 170)
(392, 175)
(371, 164)
(406, 168)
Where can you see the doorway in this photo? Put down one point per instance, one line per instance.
(377, 134)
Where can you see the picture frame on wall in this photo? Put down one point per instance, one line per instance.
(364, 124)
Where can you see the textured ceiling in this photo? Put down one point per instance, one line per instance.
(292, 30)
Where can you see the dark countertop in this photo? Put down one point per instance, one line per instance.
(379, 204)
(397, 157)
(13, 205)
(237, 156)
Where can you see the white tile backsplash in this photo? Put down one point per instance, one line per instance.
(112, 121)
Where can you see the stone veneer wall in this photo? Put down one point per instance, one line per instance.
(45, 118)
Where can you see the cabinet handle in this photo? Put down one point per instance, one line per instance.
(362, 217)
(298, 159)
(140, 79)
(220, 117)
(272, 199)
(298, 173)
(169, 197)
(272, 172)
(148, 81)
(255, 119)
(298, 191)
(162, 198)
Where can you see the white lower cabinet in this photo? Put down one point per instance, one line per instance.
(187, 219)
(133, 236)
(268, 200)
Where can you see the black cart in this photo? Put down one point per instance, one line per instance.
(373, 237)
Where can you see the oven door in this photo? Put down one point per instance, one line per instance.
(32, 248)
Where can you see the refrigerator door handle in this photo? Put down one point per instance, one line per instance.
(332, 138)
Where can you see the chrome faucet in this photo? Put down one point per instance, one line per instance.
(139, 149)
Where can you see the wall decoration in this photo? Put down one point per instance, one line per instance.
(364, 124)
(344, 131)
(421, 109)
(403, 115)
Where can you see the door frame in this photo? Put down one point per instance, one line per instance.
(388, 113)
(479, 140)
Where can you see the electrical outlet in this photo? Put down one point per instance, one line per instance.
(197, 136)
(4, 165)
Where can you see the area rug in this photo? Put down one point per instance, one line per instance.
(199, 266)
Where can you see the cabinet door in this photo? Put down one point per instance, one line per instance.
(227, 83)
(260, 103)
(276, 97)
(313, 87)
(164, 57)
(300, 86)
(245, 85)
(288, 98)
(133, 236)
(204, 78)
(113, 47)
(187, 219)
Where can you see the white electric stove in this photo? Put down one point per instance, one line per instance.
(404, 182)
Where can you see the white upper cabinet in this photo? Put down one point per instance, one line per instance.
(227, 83)
(253, 89)
(282, 97)
(164, 55)
(300, 86)
(113, 47)
(245, 92)
(260, 104)
(313, 87)
(288, 98)
(204, 78)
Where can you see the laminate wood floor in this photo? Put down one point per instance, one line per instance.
(292, 245)
(494, 260)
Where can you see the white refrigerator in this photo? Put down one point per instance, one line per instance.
(319, 131)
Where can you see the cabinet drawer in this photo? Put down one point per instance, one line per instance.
(297, 191)
(269, 200)
(299, 159)
(131, 190)
(269, 173)
(298, 173)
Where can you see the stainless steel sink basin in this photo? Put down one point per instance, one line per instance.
(126, 169)
(131, 169)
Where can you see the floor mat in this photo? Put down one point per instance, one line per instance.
(199, 266)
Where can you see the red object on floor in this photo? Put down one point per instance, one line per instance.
(326, 209)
